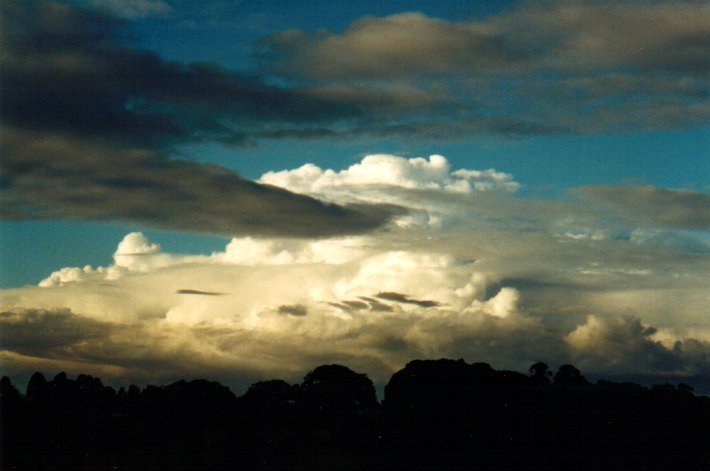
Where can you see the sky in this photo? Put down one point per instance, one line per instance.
(246, 190)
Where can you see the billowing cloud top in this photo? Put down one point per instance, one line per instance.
(390, 170)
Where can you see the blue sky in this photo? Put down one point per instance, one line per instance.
(576, 168)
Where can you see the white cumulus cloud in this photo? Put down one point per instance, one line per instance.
(385, 178)
(417, 173)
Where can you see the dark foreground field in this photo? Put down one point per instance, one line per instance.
(436, 415)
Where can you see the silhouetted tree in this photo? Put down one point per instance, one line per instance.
(37, 386)
(270, 395)
(569, 376)
(541, 373)
(336, 389)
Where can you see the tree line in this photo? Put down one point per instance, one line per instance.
(435, 415)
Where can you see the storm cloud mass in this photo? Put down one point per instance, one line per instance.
(473, 273)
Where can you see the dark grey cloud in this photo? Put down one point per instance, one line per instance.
(41, 332)
(66, 70)
(376, 305)
(357, 305)
(199, 292)
(680, 209)
(90, 125)
(298, 310)
(53, 176)
(364, 304)
(403, 298)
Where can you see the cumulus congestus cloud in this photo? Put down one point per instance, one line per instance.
(322, 300)
(478, 274)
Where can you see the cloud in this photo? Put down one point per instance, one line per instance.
(503, 285)
(391, 47)
(384, 178)
(92, 129)
(661, 207)
(298, 310)
(135, 244)
(56, 53)
(343, 302)
(90, 126)
(539, 67)
(559, 35)
(619, 342)
(497, 279)
(39, 331)
(418, 173)
(57, 177)
(198, 292)
(403, 298)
